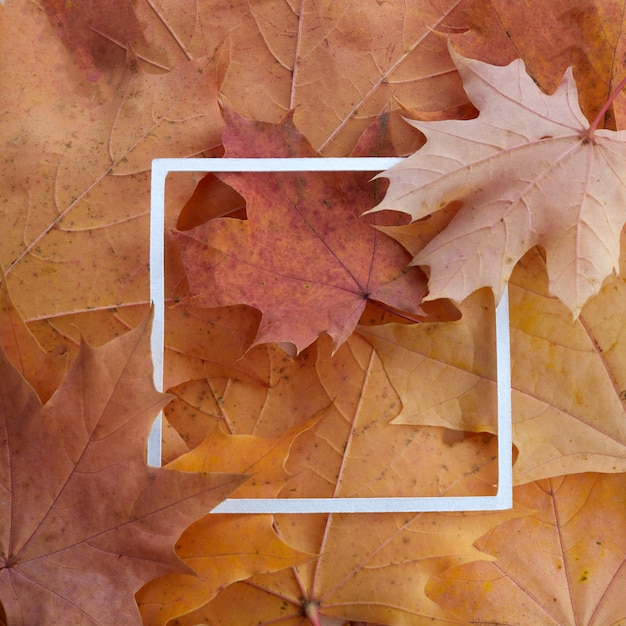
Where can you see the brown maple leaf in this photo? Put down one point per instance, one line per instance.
(83, 521)
(303, 256)
(530, 170)
(550, 37)
(76, 186)
(44, 371)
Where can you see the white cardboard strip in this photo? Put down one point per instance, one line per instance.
(504, 497)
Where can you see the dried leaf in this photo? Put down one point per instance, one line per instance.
(223, 549)
(551, 36)
(525, 150)
(568, 376)
(74, 219)
(303, 257)
(572, 575)
(95, 32)
(84, 522)
(338, 67)
(43, 371)
(353, 451)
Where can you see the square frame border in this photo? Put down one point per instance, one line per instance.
(504, 496)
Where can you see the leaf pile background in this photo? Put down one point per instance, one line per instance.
(320, 373)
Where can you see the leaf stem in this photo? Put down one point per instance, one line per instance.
(311, 610)
(596, 120)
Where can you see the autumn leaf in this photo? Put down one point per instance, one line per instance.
(303, 257)
(353, 439)
(443, 372)
(550, 37)
(210, 343)
(84, 521)
(355, 450)
(92, 93)
(223, 549)
(338, 67)
(75, 207)
(78, 153)
(371, 568)
(530, 170)
(352, 450)
(42, 370)
(574, 573)
(94, 33)
(567, 375)
(291, 394)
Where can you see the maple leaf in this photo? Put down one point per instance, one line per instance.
(589, 38)
(43, 371)
(77, 258)
(567, 375)
(291, 394)
(303, 256)
(370, 567)
(223, 549)
(84, 522)
(352, 450)
(392, 53)
(574, 573)
(530, 170)
(75, 202)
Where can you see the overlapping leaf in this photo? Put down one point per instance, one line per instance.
(353, 451)
(74, 224)
(303, 257)
(339, 66)
(75, 234)
(530, 171)
(223, 549)
(574, 573)
(549, 37)
(76, 164)
(568, 376)
(83, 521)
(43, 371)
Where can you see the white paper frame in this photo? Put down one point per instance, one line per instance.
(504, 496)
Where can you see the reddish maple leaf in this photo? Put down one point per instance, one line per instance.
(303, 256)
(83, 521)
(530, 170)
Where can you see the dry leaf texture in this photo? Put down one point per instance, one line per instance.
(528, 173)
(83, 521)
(575, 572)
(587, 35)
(568, 376)
(223, 549)
(303, 256)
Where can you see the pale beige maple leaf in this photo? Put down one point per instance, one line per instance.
(530, 170)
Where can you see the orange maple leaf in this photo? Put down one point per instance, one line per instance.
(226, 548)
(530, 170)
(590, 40)
(83, 521)
(574, 573)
